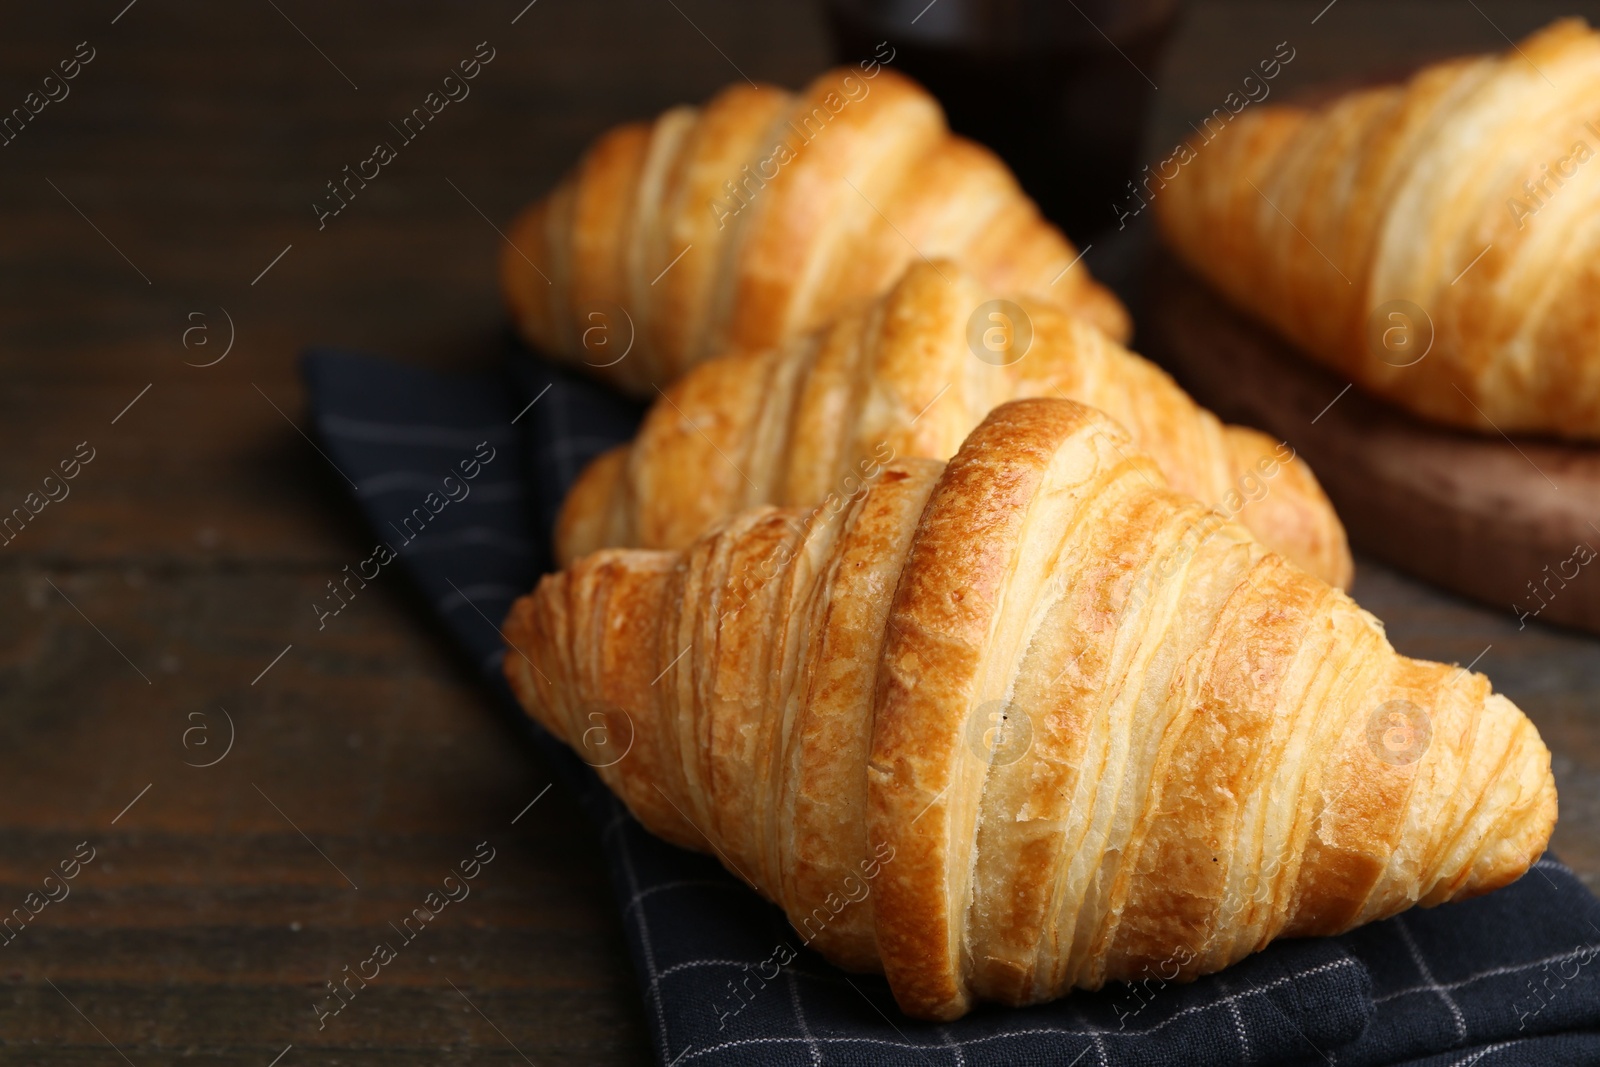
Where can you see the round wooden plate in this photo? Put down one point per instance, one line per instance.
(1511, 522)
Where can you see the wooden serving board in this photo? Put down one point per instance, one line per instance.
(1513, 523)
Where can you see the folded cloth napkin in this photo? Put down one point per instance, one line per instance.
(461, 477)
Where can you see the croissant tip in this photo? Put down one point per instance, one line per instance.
(516, 664)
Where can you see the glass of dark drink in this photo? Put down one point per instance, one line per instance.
(1058, 88)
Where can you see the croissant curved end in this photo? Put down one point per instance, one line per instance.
(594, 508)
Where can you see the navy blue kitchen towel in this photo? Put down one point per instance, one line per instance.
(461, 478)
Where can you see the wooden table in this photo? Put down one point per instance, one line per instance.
(171, 191)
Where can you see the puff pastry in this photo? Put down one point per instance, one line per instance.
(1046, 721)
(1460, 211)
(911, 376)
(760, 216)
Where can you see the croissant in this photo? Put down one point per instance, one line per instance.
(1438, 242)
(911, 376)
(1030, 722)
(760, 216)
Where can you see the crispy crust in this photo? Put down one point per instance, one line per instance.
(1221, 749)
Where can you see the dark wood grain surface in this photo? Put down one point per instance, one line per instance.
(365, 760)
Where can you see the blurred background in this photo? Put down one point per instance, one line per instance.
(160, 215)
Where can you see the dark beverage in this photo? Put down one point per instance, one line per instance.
(1058, 90)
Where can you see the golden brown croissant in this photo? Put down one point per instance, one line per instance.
(1046, 721)
(903, 377)
(1460, 210)
(784, 209)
